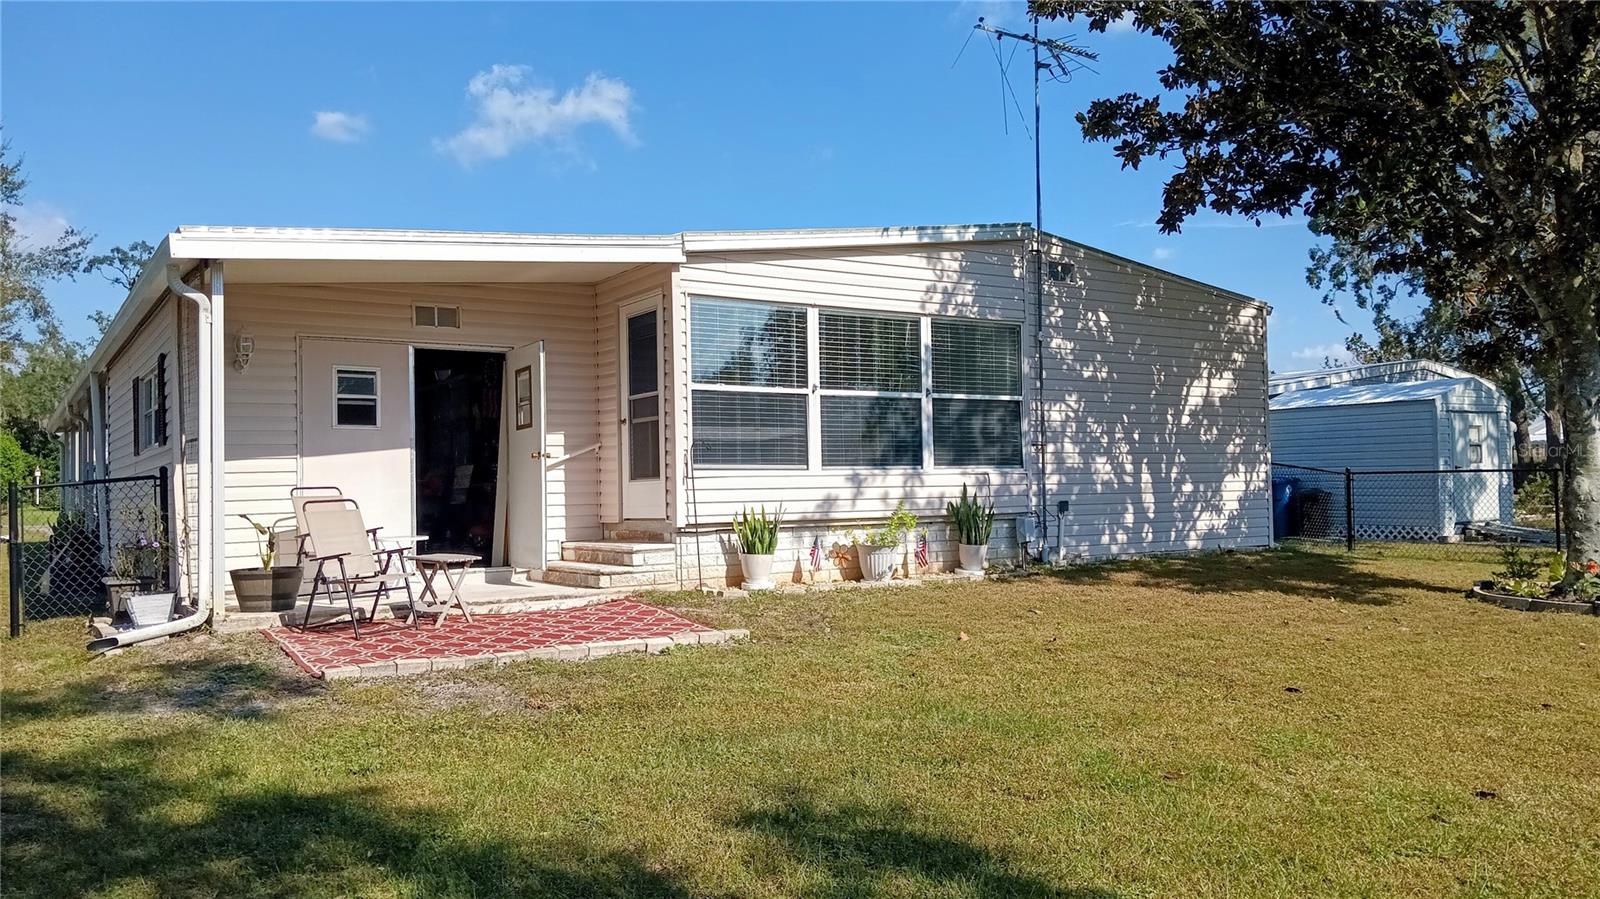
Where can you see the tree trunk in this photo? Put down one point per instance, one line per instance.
(1579, 389)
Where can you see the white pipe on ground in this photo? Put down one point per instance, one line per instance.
(205, 583)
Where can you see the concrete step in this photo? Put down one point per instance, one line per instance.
(618, 552)
(598, 575)
(636, 530)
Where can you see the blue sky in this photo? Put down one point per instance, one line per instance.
(606, 118)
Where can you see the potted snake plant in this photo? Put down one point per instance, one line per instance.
(758, 543)
(973, 522)
(270, 588)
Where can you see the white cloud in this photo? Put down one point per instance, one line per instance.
(510, 114)
(38, 224)
(1162, 254)
(1332, 352)
(1122, 24)
(340, 127)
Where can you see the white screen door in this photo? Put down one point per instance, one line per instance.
(644, 493)
(525, 457)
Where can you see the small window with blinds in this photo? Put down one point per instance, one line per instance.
(871, 379)
(977, 394)
(748, 368)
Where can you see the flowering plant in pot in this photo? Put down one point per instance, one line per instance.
(879, 548)
(758, 543)
(974, 522)
(270, 588)
(137, 562)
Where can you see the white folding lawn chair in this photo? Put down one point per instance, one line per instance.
(340, 543)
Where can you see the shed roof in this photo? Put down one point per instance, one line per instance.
(1369, 394)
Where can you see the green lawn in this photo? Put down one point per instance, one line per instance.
(1281, 724)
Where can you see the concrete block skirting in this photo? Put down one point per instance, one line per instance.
(570, 653)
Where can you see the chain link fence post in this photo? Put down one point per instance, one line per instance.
(14, 555)
(1349, 511)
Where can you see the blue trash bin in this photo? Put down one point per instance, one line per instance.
(1283, 489)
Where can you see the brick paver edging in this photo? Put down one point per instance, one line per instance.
(576, 652)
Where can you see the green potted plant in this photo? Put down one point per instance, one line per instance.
(973, 522)
(758, 543)
(269, 588)
(138, 562)
(879, 549)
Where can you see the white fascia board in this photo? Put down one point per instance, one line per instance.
(203, 242)
(146, 290)
(734, 241)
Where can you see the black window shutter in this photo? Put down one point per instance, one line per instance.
(161, 399)
(136, 416)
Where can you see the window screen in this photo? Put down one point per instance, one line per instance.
(748, 344)
(861, 431)
(972, 357)
(355, 397)
(749, 428)
(865, 352)
(977, 389)
(977, 433)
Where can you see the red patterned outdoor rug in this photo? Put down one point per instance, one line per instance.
(335, 646)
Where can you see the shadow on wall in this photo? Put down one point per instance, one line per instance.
(1155, 404)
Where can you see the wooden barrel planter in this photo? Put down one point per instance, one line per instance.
(1484, 591)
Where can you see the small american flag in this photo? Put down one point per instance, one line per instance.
(922, 550)
(816, 553)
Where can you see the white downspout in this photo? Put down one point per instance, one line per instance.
(208, 430)
(97, 458)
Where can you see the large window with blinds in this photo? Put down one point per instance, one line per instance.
(870, 374)
(749, 382)
(878, 387)
(977, 394)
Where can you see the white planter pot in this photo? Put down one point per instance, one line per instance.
(877, 562)
(757, 571)
(149, 609)
(973, 558)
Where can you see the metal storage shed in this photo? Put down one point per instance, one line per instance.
(1444, 442)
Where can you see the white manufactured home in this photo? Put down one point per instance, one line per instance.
(1441, 436)
(528, 397)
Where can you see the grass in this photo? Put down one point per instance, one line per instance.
(1288, 723)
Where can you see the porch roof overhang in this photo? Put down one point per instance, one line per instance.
(324, 255)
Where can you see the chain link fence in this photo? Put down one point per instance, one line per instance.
(1419, 512)
(71, 545)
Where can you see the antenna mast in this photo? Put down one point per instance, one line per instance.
(1064, 60)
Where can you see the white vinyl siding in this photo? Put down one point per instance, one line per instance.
(137, 361)
(263, 405)
(1154, 404)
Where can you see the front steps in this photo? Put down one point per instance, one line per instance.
(634, 554)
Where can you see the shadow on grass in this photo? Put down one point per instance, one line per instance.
(213, 685)
(105, 818)
(859, 849)
(1310, 573)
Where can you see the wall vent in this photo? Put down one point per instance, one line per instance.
(436, 316)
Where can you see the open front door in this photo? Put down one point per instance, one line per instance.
(525, 457)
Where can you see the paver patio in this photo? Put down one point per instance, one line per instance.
(391, 647)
